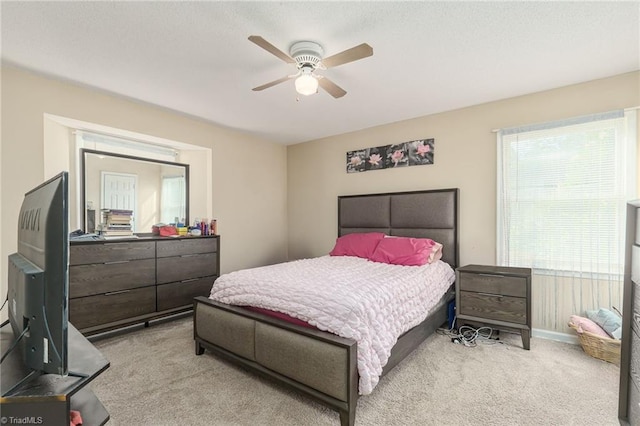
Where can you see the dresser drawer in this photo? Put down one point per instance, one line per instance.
(174, 295)
(493, 284)
(634, 403)
(185, 246)
(635, 317)
(98, 278)
(170, 269)
(637, 239)
(90, 311)
(634, 362)
(635, 263)
(493, 307)
(81, 254)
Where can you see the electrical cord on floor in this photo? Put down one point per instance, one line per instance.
(470, 336)
(5, 301)
(15, 342)
(450, 332)
(5, 322)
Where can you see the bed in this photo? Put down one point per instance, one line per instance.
(317, 363)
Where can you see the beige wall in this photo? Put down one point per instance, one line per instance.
(287, 201)
(251, 234)
(465, 158)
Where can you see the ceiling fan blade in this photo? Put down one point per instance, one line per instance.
(359, 52)
(331, 88)
(273, 83)
(271, 49)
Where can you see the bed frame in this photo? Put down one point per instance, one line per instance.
(320, 364)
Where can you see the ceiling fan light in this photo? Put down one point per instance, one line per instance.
(306, 84)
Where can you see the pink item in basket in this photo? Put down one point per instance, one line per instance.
(585, 324)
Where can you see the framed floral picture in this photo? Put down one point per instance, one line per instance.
(356, 161)
(375, 159)
(413, 153)
(420, 152)
(397, 156)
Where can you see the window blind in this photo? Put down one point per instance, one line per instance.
(125, 146)
(172, 208)
(562, 190)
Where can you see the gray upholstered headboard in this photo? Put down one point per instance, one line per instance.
(421, 214)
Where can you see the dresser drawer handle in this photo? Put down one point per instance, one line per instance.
(190, 280)
(189, 255)
(115, 262)
(112, 293)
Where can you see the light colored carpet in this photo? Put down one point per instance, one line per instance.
(155, 378)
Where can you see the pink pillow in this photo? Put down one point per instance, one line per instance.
(585, 324)
(407, 251)
(357, 244)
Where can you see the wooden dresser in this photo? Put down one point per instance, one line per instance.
(629, 394)
(497, 296)
(116, 283)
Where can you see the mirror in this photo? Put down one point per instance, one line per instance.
(154, 190)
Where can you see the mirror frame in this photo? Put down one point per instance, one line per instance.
(83, 195)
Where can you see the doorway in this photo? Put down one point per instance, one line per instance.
(119, 192)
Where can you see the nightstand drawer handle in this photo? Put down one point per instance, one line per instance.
(492, 275)
(492, 295)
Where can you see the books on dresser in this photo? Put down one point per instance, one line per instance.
(117, 222)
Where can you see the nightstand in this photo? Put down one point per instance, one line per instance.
(497, 296)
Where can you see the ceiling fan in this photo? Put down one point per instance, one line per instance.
(307, 56)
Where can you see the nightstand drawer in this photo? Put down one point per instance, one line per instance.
(493, 307)
(493, 284)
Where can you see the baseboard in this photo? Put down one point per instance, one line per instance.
(554, 335)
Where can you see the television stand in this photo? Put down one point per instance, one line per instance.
(47, 399)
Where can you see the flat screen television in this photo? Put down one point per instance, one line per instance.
(39, 278)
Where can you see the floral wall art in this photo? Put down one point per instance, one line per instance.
(414, 153)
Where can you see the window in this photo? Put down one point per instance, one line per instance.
(172, 204)
(562, 192)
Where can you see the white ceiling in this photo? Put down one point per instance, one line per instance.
(429, 57)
